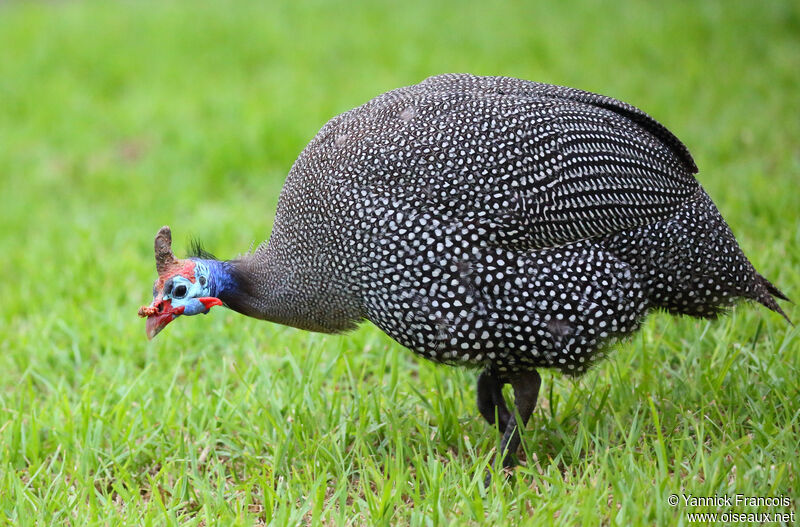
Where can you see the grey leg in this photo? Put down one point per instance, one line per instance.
(490, 399)
(526, 391)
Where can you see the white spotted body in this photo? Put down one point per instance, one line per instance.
(495, 222)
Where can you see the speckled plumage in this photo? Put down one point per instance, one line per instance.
(489, 222)
(495, 222)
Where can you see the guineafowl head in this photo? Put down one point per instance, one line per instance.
(183, 287)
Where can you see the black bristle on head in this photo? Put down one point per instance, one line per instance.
(196, 250)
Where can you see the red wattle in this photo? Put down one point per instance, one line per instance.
(210, 301)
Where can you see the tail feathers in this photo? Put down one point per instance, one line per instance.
(774, 291)
(766, 294)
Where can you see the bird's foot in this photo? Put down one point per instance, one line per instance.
(506, 471)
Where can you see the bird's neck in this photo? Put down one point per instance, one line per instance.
(264, 287)
(222, 280)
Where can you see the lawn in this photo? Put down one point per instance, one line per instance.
(117, 118)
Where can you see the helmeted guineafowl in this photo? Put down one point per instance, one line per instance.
(484, 221)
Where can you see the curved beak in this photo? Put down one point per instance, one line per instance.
(159, 314)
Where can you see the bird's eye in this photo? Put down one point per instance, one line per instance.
(179, 292)
(203, 280)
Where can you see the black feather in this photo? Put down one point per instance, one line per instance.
(196, 250)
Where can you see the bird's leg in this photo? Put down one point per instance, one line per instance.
(526, 391)
(491, 402)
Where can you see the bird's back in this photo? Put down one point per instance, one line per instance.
(559, 163)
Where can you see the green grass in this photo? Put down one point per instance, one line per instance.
(117, 118)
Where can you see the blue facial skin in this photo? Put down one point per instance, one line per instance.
(219, 277)
(211, 279)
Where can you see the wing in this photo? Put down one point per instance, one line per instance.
(531, 165)
(569, 164)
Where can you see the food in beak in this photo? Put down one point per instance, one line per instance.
(159, 314)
